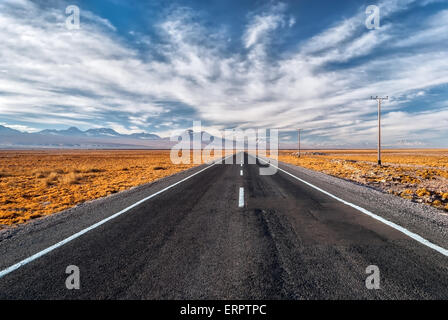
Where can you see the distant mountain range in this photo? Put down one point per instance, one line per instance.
(97, 133)
(101, 138)
(76, 138)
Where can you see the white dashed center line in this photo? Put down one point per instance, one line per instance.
(241, 172)
(241, 201)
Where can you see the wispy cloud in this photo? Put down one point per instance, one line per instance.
(261, 25)
(21, 128)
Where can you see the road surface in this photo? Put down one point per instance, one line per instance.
(202, 239)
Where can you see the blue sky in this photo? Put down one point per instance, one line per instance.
(156, 66)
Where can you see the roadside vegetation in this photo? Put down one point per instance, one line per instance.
(418, 175)
(38, 183)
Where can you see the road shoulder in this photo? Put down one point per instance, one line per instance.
(20, 242)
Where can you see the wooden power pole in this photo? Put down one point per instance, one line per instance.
(379, 99)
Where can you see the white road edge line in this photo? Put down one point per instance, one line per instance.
(410, 234)
(96, 225)
(241, 200)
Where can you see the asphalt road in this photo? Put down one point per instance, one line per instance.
(194, 241)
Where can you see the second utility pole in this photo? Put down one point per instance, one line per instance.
(379, 124)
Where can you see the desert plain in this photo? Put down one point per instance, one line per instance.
(420, 175)
(36, 183)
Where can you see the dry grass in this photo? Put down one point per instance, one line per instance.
(418, 175)
(39, 183)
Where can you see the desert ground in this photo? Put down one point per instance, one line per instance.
(39, 183)
(420, 175)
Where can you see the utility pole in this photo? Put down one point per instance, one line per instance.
(379, 99)
(299, 143)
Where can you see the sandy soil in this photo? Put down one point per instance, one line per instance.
(39, 183)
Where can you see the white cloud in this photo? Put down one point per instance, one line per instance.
(54, 75)
(261, 25)
(19, 127)
(90, 16)
(122, 129)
